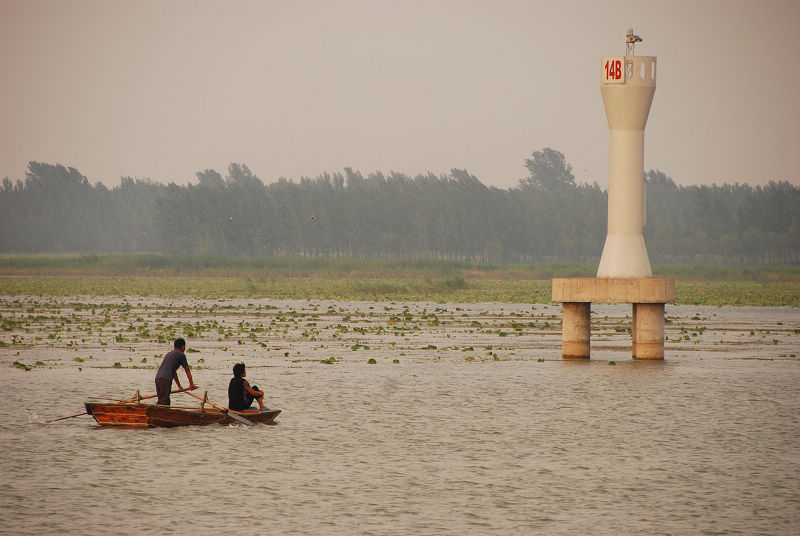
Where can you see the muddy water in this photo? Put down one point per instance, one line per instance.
(469, 433)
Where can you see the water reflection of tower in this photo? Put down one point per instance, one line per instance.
(627, 84)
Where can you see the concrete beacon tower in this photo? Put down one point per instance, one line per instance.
(627, 84)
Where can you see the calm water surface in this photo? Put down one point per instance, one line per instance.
(704, 443)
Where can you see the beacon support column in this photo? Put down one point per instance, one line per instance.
(575, 330)
(628, 84)
(648, 331)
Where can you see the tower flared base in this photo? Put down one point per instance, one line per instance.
(624, 255)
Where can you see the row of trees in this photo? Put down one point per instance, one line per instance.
(546, 217)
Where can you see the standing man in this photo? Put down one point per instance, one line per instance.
(168, 371)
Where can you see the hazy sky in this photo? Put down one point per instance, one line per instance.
(163, 89)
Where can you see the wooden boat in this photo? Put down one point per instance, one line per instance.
(140, 415)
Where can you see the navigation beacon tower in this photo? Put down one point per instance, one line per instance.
(627, 84)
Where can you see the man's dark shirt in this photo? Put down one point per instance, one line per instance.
(170, 364)
(238, 397)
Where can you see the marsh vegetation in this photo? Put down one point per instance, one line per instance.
(121, 311)
(210, 277)
(132, 332)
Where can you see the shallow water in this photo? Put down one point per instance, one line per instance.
(705, 442)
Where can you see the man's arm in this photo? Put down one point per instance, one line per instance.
(177, 381)
(252, 391)
(192, 386)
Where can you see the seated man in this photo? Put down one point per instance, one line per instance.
(240, 394)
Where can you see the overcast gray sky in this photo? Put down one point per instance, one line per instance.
(163, 89)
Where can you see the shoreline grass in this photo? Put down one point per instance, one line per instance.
(449, 289)
(156, 265)
(213, 277)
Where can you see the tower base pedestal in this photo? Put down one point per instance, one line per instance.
(647, 294)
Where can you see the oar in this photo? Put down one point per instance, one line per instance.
(68, 417)
(133, 399)
(227, 411)
(137, 398)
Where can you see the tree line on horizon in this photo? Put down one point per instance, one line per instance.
(547, 217)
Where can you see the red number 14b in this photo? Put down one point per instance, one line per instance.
(614, 69)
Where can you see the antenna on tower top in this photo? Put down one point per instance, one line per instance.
(630, 41)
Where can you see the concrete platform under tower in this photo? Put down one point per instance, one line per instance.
(647, 294)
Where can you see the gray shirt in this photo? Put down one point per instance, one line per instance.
(170, 364)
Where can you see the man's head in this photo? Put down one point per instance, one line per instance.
(180, 344)
(238, 370)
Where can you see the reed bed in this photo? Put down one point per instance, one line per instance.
(440, 281)
(449, 289)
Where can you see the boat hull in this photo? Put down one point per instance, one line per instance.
(138, 415)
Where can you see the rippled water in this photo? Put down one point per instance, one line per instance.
(706, 442)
